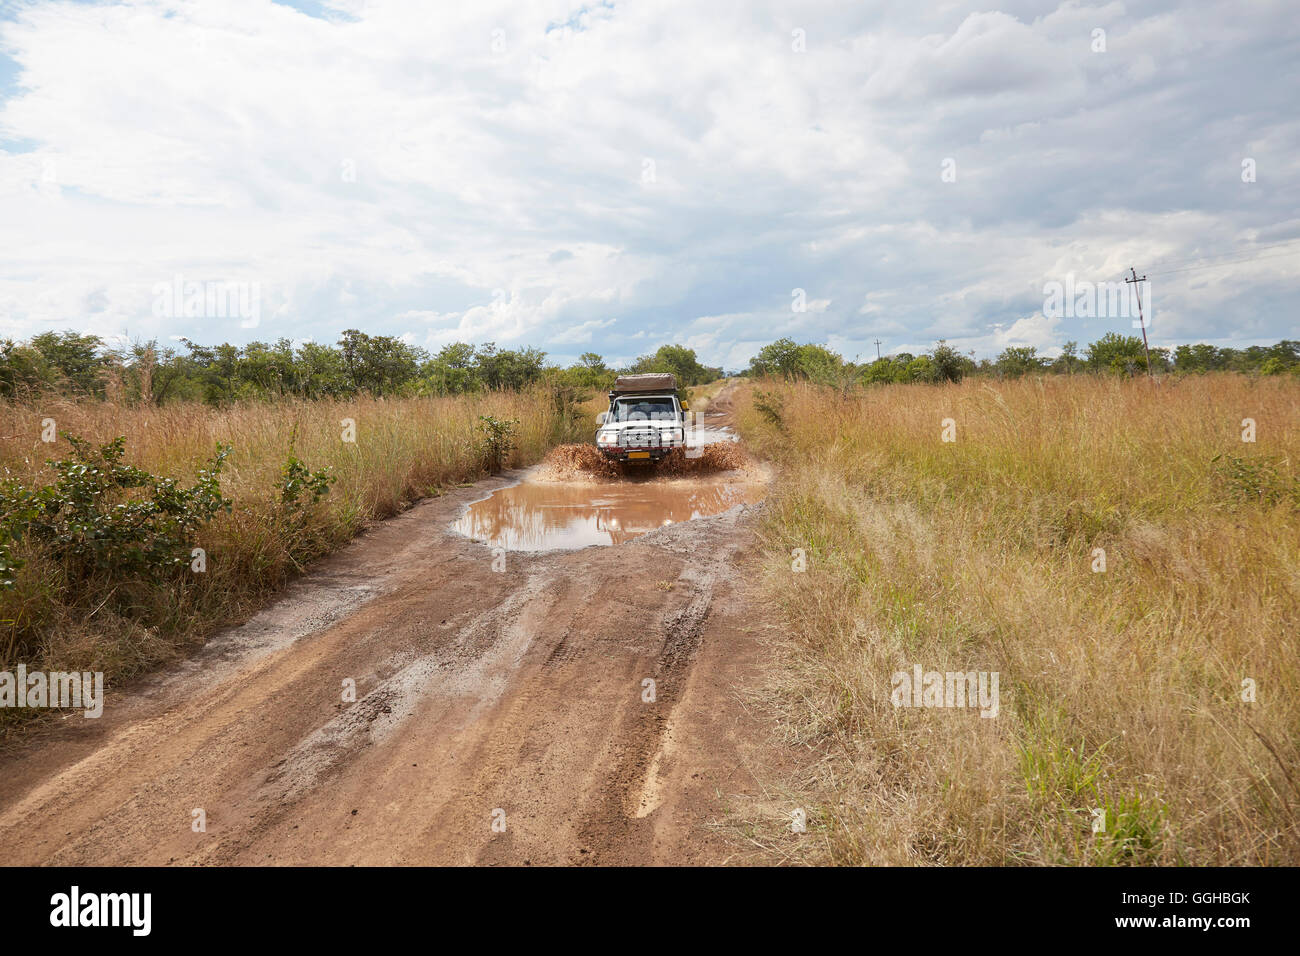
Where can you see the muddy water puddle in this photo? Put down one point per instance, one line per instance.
(557, 516)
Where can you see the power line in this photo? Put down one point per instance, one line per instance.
(1231, 254)
(1229, 262)
(1159, 263)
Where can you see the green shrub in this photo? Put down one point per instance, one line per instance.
(104, 516)
(772, 407)
(296, 480)
(498, 440)
(1259, 479)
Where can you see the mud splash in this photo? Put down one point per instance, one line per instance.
(551, 516)
(722, 456)
(570, 462)
(585, 462)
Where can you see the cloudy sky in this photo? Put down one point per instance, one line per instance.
(613, 176)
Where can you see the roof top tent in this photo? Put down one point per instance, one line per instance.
(645, 382)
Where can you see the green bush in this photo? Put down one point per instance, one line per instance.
(498, 440)
(772, 407)
(1262, 479)
(103, 516)
(297, 480)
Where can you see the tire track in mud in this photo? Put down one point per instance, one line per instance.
(476, 666)
(619, 821)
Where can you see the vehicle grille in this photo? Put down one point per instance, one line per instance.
(639, 438)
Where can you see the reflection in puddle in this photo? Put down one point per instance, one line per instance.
(553, 517)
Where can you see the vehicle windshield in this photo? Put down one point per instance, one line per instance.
(644, 409)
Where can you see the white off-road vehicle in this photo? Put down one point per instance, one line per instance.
(645, 420)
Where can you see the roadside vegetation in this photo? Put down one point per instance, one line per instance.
(1111, 354)
(99, 525)
(1148, 696)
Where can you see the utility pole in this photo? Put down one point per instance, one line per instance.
(877, 350)
(1137, 291)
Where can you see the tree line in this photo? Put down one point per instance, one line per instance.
(84, 366)
(1111, 354)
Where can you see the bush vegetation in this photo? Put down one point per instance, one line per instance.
(99, 527)
(1110, 546)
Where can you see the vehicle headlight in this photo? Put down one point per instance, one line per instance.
(607, 438)
(670, 434)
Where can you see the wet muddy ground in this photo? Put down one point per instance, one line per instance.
(546, 516)
(577, 499)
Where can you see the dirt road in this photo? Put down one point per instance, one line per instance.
(501, 714)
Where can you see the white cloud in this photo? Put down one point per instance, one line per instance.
(398, 172)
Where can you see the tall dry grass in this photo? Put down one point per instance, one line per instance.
(1121, 690)
(404, 449)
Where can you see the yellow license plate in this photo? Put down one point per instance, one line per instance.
(638, 454)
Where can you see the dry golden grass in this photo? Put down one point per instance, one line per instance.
(1120, 690)
(404, 449)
